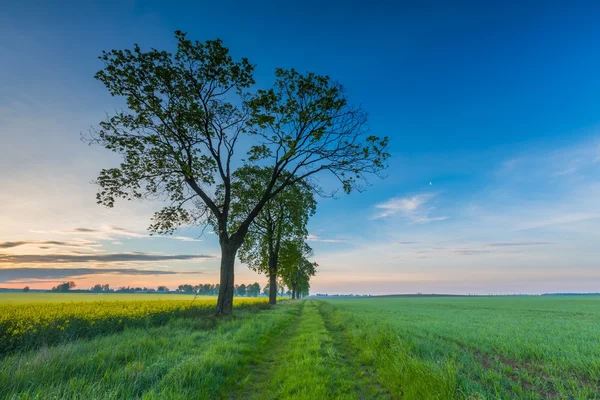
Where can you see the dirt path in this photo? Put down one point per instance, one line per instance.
(308, 360)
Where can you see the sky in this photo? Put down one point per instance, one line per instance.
(493, 115)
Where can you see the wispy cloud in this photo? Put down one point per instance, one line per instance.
(316, 238)
(476, 252)
(103, 258)
(417, 208)
(46, 243)
(111, 232)
(124, 232)
(566, 171)
(506, 244)
(9, 275)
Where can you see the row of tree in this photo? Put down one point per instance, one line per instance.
(189, 112)
(251, 290)
(207, 289)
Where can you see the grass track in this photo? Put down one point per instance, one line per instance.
(307, 361)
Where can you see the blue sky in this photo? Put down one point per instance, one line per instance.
(493, 114)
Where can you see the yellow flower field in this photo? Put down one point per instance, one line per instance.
(29, 325)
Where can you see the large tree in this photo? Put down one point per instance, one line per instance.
(283, 218)
(189, 112)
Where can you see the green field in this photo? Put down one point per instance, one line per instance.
(388, 348)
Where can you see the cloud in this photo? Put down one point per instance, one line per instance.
(182, 238)
(475, 252)
(316, 238)
(413, 208)
(506, 244)
(405, 242)
(566, 171)
(108, 232)
(15, 274)
(84, 258)
(124, 232)
(8, 245)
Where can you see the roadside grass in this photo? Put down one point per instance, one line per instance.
(186, 358)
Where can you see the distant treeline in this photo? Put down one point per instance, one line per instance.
(206, 289)
(342, 295)
(571, 294)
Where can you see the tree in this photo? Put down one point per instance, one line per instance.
(284, 217)
(163, 288)
(253, 290)
(281, 286)
(185, 115)
(96, 288)
(26, 289)
(296, 269)
(186, 289)
(64, 287)
(240, 290)
(101, 288)
(267, 289)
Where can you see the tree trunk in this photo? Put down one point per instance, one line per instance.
(272, 288)
(273, 259)
(293, 292)
(226, 289)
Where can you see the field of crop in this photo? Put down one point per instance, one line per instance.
(491, 347)
(44, 297)
(46, 320)
(387, 348)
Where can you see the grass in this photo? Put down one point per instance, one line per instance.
(384, 348)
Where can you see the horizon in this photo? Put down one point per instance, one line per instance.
(174, 290)
(494, 172)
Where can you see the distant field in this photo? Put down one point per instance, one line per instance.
(37, 297)
(366, 348)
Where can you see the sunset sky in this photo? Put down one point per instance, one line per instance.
(493, 115)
